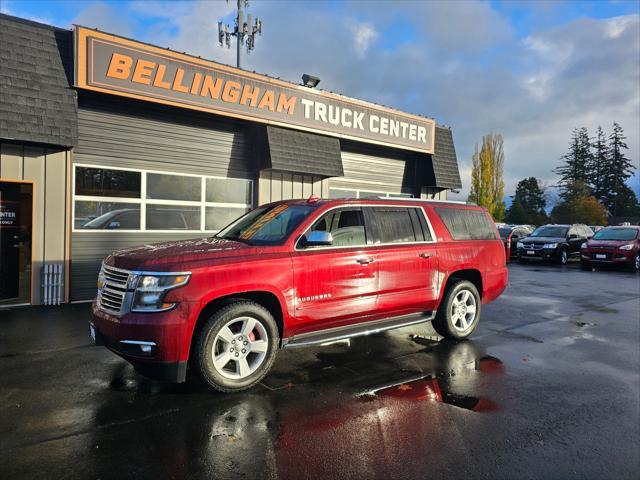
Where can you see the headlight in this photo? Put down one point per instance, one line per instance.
(151, 289)
(628, 246)
(519, 245)
(584, 245)
(550, 245)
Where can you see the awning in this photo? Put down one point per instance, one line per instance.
(445, 162)
(301, 152)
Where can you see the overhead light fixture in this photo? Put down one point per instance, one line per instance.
(310, 81)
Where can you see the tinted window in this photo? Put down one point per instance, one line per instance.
(467, 224)
(616, 234)
(346, 227)
(101, 182)
(395, 225)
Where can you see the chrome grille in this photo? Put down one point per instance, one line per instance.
(112, 295)
(532, 246)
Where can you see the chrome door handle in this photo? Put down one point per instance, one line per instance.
(364, 260)
(426, 255)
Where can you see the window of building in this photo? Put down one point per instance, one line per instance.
(347, 193)
(108, 198)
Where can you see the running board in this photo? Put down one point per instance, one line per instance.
(357, 330)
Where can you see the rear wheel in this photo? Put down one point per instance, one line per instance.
(459, 312)
(637, 263)
(236, 347)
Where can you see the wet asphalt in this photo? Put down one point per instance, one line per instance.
(548, 387)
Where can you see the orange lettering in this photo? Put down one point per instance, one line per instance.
(119, 66)
(177, 82)
(286, 104)
(231, 91)
(142, 72)
(159, 80)
(250, 94)
(210, 88)
(268, 100)
(195, 85)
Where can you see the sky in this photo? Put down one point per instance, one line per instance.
(531, 71)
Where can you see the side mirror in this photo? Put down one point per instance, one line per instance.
(317, 238)
(113, 225)
(573, 235)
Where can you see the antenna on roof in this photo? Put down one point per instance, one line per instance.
(243, 30)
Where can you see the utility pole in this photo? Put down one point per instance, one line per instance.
(243, 30)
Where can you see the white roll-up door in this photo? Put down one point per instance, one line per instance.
(366, 175)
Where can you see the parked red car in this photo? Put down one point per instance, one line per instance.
(296, 273)
(612, 246)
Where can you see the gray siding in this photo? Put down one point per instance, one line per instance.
(140, 135)
(88, 250)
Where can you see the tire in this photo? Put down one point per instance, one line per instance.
(563, 257)
(448, 322)
(230, 334)
(637, 263)
(585, 266)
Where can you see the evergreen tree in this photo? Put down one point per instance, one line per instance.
(577, 161)
(618, 170)
(516, 214)
(487, 184)
(599, 165)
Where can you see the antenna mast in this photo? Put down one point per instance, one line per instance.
(242, 31)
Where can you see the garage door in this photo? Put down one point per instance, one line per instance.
(366, 174)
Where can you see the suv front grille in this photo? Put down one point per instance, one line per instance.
(532, 246)
(113, 294)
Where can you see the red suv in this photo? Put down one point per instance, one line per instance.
(612, 246)
(296, 273)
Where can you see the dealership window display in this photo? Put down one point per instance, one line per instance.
(108, 198)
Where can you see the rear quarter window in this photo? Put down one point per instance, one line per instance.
(467, 224)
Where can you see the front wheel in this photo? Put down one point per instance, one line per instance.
(459, 312)
(236, 347)
(563, 258)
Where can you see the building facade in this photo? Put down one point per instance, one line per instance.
(106, 142)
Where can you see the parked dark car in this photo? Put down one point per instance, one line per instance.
(612, 246)
(511, 235)
(553, 243)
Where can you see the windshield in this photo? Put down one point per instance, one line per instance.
(547, 231)
(267, 225)
(504, 232)
(616, 234)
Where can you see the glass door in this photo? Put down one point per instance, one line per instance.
(16, 211)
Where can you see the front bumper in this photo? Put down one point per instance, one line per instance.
(154, 343)
(539, 254)
(612, 257)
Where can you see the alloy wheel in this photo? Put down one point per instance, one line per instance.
(240, 347)
(638, 262)
(463, 310)
(564, 257)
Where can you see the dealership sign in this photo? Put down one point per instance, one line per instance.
(115, 65)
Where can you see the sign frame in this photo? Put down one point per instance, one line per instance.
(85, 39)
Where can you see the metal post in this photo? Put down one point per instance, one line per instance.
(240, 33)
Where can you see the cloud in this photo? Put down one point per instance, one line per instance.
(462, 63)
(364, 34)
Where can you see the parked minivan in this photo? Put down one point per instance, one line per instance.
(296, 273)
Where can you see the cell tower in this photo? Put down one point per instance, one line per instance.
(243, 30)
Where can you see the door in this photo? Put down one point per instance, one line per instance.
(407, 260)
(336, 284)
(16, 201)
